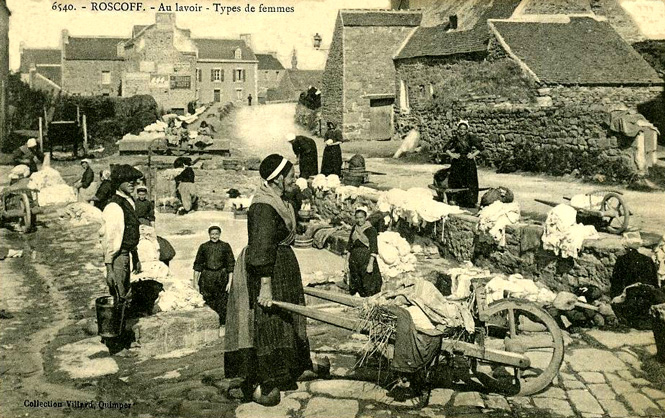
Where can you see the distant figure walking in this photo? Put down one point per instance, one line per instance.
(249, 100)
(332, 153)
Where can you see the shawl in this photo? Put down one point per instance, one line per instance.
(267, 195)
(359, 233)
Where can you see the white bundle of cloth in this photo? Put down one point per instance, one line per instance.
(82, 213)
(438, 309)
(56, 195)
(144, 136)
(157, 126)
(516, 286)
(177, 295)
(495, 217)
(416, 205)
(461, 278)
(199, 110)
(148, 246)
(395, 255)
(333, 181)
(301, 183)
(20, 171)
(562, 235)
(346, 192)
(587, 201)
(319, 182)
(46, 177)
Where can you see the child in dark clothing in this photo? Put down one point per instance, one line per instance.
(213, 270)
(145, 209)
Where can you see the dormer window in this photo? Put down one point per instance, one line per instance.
(238, 54)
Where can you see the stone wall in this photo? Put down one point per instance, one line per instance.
(84, 77)
(332, 92)
(560, 130)
(368, 70)
(458, 238)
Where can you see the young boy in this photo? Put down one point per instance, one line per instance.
(145, 209)
(213, 267)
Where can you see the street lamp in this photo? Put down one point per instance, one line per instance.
(317, 41)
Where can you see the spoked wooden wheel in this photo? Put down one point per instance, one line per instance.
(520, 327)
(615, 212)
(20, 203)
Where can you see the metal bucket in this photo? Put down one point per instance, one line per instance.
(109, 317)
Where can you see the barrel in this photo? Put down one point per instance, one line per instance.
(109, 317)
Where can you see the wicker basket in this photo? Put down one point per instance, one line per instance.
(303, 242)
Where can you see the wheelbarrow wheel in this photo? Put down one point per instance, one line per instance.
(521, 327)
(21, 203)
(616, 213)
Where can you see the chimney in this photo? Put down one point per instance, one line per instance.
(165, 20)
(120, 49)
(452, 22)
(294, 60)
(247, 37)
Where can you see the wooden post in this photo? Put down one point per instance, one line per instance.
(78, 115)
(41, 135)
(85, 137)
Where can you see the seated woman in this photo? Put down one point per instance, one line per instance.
(184, 184)
(362, 251)
(86, 187)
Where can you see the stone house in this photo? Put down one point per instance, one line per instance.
(539, 94)
(161, 60)
(270, 74)
(41, 68)
(359, 77)
(4, 67)
(91, 66)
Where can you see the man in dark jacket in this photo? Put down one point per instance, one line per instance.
(307, 156)
(120, 234)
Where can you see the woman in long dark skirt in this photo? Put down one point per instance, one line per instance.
(332, 153)
(462, 150)
(266, 346)
(362, 252)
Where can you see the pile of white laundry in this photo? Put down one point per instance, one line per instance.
(52, 188)
(178, 294)
(416, 205)
(325, 183)
(495, 217)
(83, 213)
(395, 255)
(563, 235)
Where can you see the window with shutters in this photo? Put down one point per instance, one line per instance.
(199, 75)
(216, 75)
(239, 75)
(238, 54)
(239, 94)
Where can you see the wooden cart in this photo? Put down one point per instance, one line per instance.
(613, 215)
(19, 204)
(517, 348)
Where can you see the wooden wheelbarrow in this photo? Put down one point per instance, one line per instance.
(506, 340)
(613, 215)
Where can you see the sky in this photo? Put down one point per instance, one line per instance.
(38, 26)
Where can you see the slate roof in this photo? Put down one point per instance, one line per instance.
(380, 18)
(583, 51)
(223, 49)
(39, 56)
(269, 62)
(52, 73)
(94, 48)
(302, 79)
(138, 28)
(438, 41)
